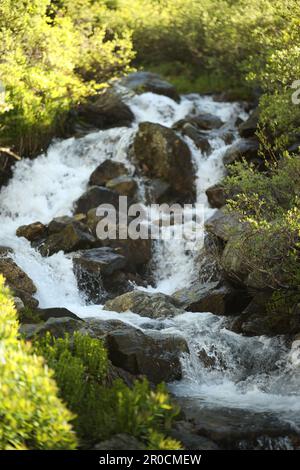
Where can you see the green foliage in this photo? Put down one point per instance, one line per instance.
(269, 203)
(53, 54)
(32, 416)
(81, 366)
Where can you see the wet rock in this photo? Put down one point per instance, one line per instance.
(205, 121)
(75, 236)
(108, 170)
(259, 318)
(123, 185)
(7, 161)
(103, 111)
(142, 82)
(95, 196)
(16, 278)
(249, 127)
(59, 223)
(136, 252)
(32, 232)
(244, 148)
(145, 304)
(216, 196)
(93, 267)
(233, 262)
(160, 153)
(56, 312)
(27, 299)
(155, 355)
(213, 297)
(200, 138)
(120, 442)
(229, 427)
(224, 225)
(58, 327)
(104, 260)
(185, 432)
(156, 191)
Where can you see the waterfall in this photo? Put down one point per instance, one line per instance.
(257, 374)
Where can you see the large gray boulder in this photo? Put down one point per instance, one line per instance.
(224, 225)
(142, 82)
(155, 355)
(160, 153)
(145, 304)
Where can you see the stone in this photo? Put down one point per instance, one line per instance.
(205, 121)
(185, 432)
(213, 297)
(259, 319)
(200, 138)
(32, 232)
(103, 111)
(7, 162)
(145, 304)
(107, 171)
(59, 223)
(94, 197)
(160, 153)
(93, 267)
(142, 82)
(75, 236)
(55, 312)
(156, 191)
(155, 355)
(16, 278)
(232, 428)
(249, 127)
(123, 185)
(243, 148)
(58, 327)
(224, 225)
(216, 196)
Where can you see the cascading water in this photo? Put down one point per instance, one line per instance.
(255, 374)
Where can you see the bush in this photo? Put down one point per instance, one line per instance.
(52, 56)
(270, 204)
(32, 416)
(81, 368)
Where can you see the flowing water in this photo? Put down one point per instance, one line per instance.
(260, 376)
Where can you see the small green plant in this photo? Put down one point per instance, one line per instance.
(32, 416)
(81, 366)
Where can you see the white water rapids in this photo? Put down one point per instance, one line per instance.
(255, 374)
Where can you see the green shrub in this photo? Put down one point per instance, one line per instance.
(32, 416)
(270, 204)
(52, 56)
(81, 367)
